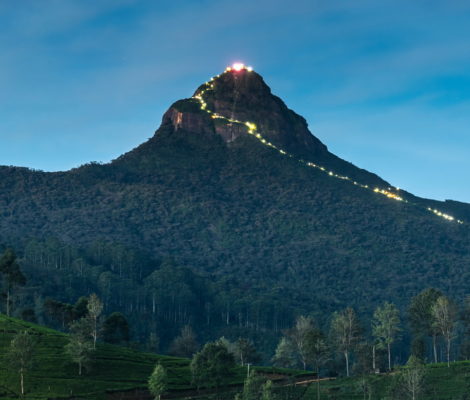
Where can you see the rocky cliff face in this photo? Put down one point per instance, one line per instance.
(238, 103)
(244, 96)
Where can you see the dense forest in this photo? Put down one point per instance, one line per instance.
(159, 306)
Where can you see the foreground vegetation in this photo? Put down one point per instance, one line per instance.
(113, 368)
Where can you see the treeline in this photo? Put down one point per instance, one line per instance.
(439, 330)
(160, 300)
(158, 297)
(172, 309)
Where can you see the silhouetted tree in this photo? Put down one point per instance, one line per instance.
(116, 329)
(252, 386)
(386, 326)
(20, 355)
(412, 378)
(345, 333)
(12, 275)
(445, 316)
(246, 351)
(79, 347)
(421, 317)
(298, 335)
(158, 381)
(318, 353)
(94, 307)
(184, 345)
(212, 365)
(284, 355)
(267, 391)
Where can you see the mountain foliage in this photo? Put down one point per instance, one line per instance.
(228, 236)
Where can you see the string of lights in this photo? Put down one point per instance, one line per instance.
(253, 131)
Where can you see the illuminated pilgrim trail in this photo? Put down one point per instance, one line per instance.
(252, 130)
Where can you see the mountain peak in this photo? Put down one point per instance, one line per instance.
(238, 102)
(237, 81)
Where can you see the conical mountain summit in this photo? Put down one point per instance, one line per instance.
(242, 95)
(238, 103)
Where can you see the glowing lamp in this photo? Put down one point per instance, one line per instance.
(238, 67)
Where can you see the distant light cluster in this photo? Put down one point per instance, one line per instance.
(443, 215)
(389, 194)
(252, 130)
(237, 67)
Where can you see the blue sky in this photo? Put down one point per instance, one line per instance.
(384, 84)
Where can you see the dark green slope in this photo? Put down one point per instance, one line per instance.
(256, 222)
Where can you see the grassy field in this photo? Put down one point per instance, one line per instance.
(441, 383)
(114, 368)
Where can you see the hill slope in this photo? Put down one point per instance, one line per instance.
(54, 375)
(114, 369)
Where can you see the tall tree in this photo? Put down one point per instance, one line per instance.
(412, 378)
(95, 308)
(365, 386)
(284, 355)
(246, 351)
(299, 335)
(267, 391)
(20, 355)
(65, 313)
(12, 275)
(212, 365)
(465, 348)
(318, 353)
(345, 333)
(116, 329)
(252, 386)
(421, 317)
(79, 347)
(184, 345)
(158, 381)
(386, 327)
(445, 317)
(80, 308)
(61, 312)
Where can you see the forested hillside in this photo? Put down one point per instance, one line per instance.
(205, 224)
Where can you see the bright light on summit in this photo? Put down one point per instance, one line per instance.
(238, 66)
